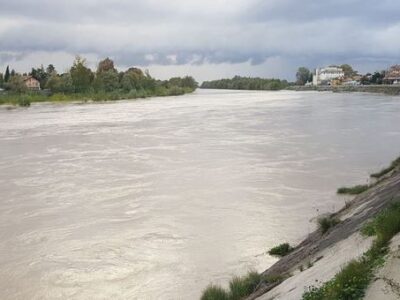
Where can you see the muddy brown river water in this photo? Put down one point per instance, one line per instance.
(156, 198)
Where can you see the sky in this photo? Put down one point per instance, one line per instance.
(207, 39)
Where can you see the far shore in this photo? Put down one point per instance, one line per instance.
(393, 90)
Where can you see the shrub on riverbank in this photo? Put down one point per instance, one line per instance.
(239, 287)
(355, 190)
(385, 171)
(214, 292)
(23, 99)
(326, 223)
(281, 250)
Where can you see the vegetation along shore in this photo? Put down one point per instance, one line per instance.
(353, 253)
(333, 78)
(80, 83)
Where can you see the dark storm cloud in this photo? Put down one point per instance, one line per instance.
(179, 32)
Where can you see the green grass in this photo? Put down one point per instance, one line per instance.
(351, 282)
(239, 287)
(326, 223)
(214, 292)
(385, 171)
(355, 190)
(281, 250)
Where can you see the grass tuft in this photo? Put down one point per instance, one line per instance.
(326, 223)
(385, 171)
(241, 287)
(355, 190)
(214, 292)
(281, 250)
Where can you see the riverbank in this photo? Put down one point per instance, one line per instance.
(320, 256)
(26, 99)
(320, 265)
(383, 89)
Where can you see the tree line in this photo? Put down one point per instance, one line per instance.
(246, 83)
(106, 80)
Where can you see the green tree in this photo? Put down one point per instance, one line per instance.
(66, 84)
(7, 74)
(107, 81)
(1, 80)
(41, 75)
(50, 70)
(53, 83)
(81, 75)
(378, 77)
(348, 70)
(17, 84)
(133, 78)
(303, 75)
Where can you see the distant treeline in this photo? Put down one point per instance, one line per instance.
(246, 83)
(81, 83)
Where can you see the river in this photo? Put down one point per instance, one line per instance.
(156, 198)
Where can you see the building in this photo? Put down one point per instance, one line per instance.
(392, 75)
(32, 83)
(325, 76)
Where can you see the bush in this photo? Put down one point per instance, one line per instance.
(349, 283)
(325, 223)
(281, 250)
(214, 292)
(24, 102)
(241, 287)
(355, 190)
(384, 171)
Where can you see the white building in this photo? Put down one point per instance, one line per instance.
(325, 75)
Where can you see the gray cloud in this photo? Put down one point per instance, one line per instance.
(208, 32)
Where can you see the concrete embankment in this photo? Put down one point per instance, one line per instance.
(320, 256)
(384, 89)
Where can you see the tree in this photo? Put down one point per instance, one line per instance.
(66, 84)
(41, 75)
(53, 83)
(189, 82)
(348, 70)
(107, 81)
(133, 78)
(378, 77)
(7, 74)
(60, 84)
(105, 65)
(82, 76)
(17, 84)
(303, 75)
(50, 69)
(1, 80)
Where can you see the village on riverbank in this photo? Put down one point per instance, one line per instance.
(82, 84)
(337, 78)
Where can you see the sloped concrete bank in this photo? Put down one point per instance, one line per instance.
(383, 89)
(320, 256)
